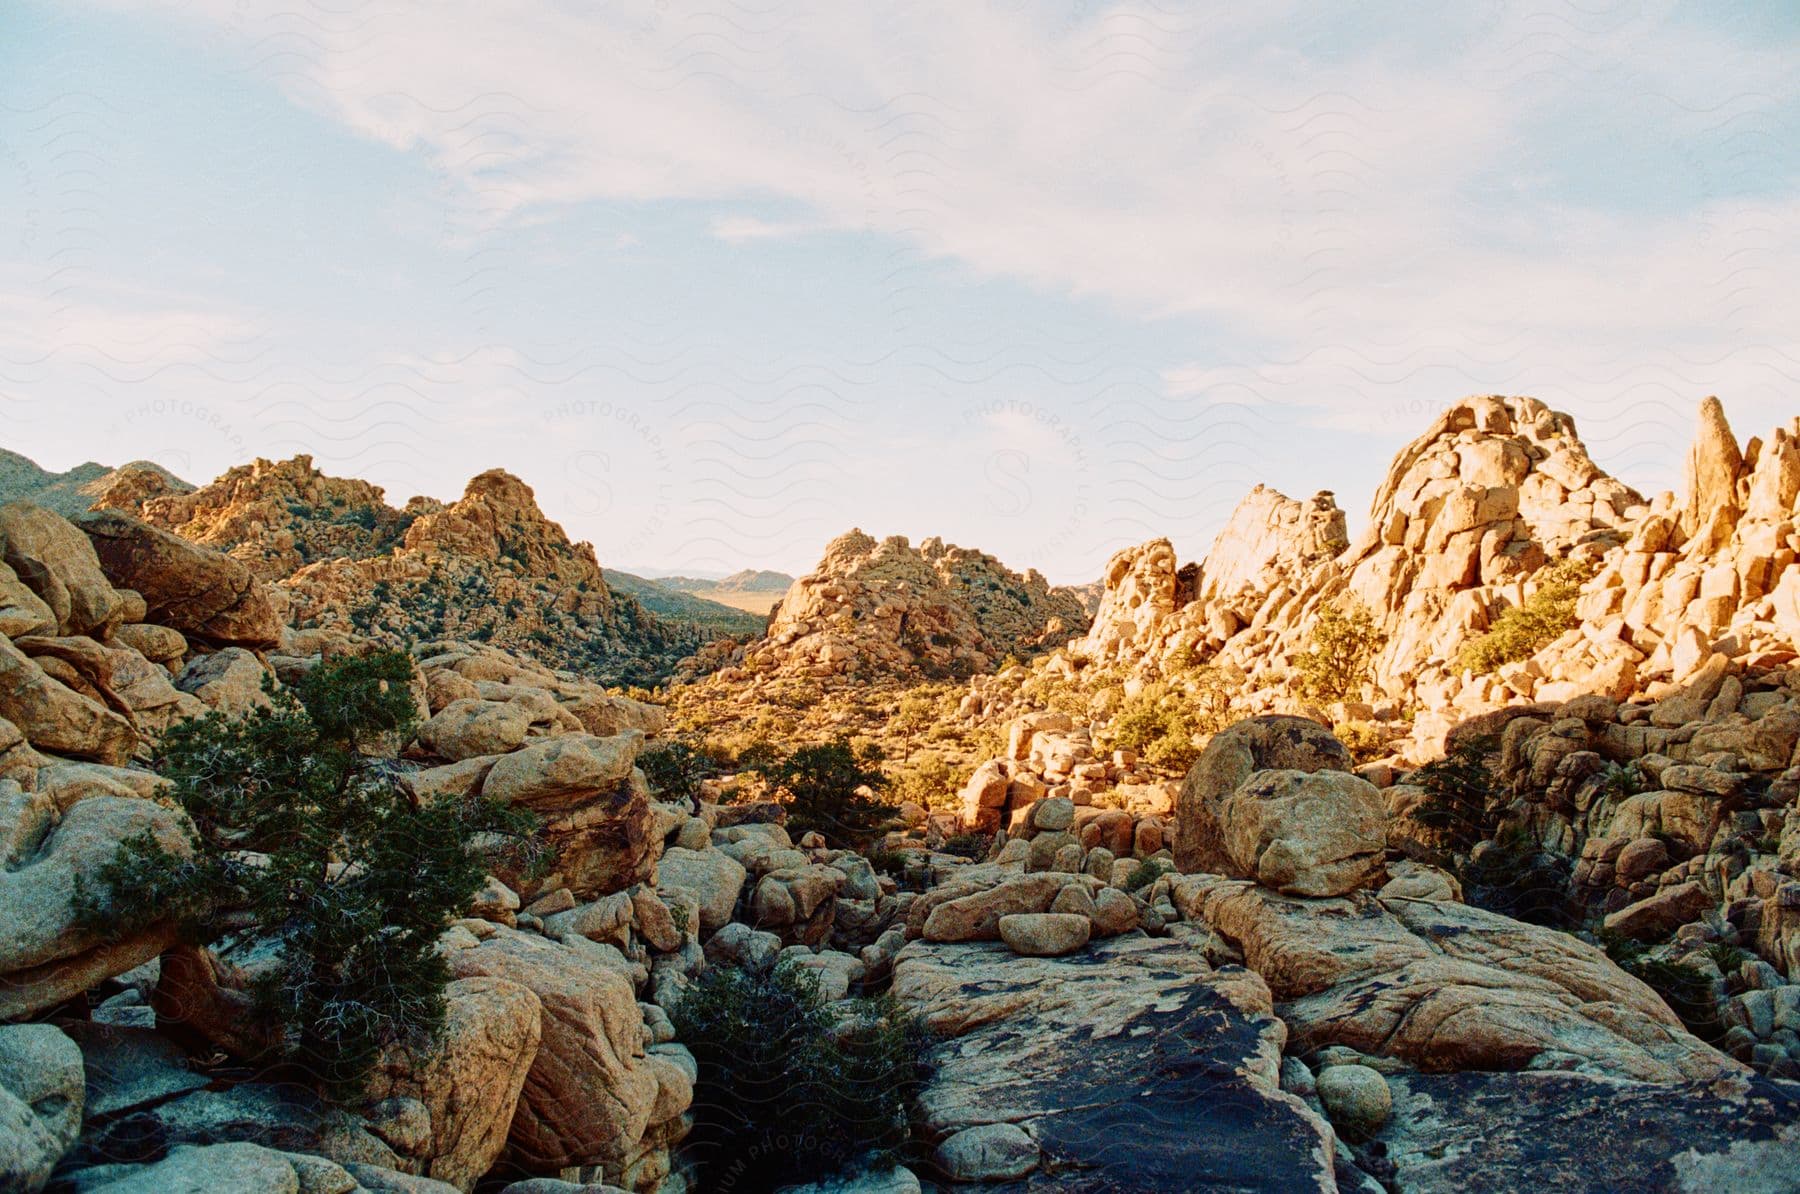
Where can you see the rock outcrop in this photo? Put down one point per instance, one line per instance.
(1135, 1066)
(200, 593)
(491, 567)
(275, 517)
(886, 609)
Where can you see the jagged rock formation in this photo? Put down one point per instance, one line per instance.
(1460, 531)
(489, 567)
(278, 516)
(887, 609)
(1468, 511)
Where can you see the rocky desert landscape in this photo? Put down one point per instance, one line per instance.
(350, 847)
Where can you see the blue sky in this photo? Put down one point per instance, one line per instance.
(1047, 279)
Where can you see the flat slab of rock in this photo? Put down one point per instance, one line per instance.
(1443, 986)
(1133, 1065)
(1489, 1133)
(129, 1068)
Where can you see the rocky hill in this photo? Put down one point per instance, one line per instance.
(1459, 532)
(489, 567)
(887, 609)
(84, 486)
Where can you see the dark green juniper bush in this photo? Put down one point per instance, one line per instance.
(308, 840)
(831, 788)
(792, 1087)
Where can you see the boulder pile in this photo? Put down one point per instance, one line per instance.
(885, 608)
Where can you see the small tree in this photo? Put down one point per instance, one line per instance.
(1458, 789)
(1338, 662)
(1524, 629)
(304, 837)
(832, 788)
(1162, 722)
(674, 769)
(793, 1088)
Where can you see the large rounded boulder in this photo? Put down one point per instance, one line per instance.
(1307, 834)
(1273, 743)
(201, 593)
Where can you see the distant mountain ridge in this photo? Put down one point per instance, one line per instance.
(747, 580)
(667, 601)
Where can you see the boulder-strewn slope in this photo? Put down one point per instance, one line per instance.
(1460, 531)
(885, 609)
(489, 566)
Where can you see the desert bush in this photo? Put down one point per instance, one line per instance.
(1363, 740)
(1524, 629)
(792, 1088)
(832, 788)
(974, 845)
(1339, 658)
(674, 768)
(1687, 990)
(1458, 789)
(929, 780)
(1517, 877)
(1163, 721)
(915, 712)
(1145, 873)
(304, 837)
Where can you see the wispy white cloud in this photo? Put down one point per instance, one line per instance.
(1360, 212)
(739, 229)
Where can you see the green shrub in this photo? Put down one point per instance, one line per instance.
(973, 845)
(1163, 721)
(1339, 658)
(675, 768)
(1145, 873)
(1689, 993)
(929, 781)
(1524, 629)
(1363, 740)
(305, 838)
(1458, 791)
(1728, 958)
(1519, 878)
(792, 1088)
(832, 788)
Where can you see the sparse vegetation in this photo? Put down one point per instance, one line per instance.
(973, 845)
(776, 1062)
(832, 788)
(1364, 740)
(303, 835)
(1458, 790)
(674, 768)
(1164, 722)
(1517, 877)
(1338, 662)
(929, 780)
(1523, 630)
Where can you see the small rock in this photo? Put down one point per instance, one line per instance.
(1356, 1098)
(988, 1152)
